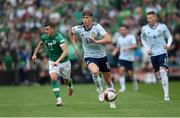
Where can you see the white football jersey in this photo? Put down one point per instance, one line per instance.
(125, 42)
(154, 38)
(91, 49)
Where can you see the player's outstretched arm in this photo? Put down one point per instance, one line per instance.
(73, 42)
(63, 55)
(40, 44)
(106, 39)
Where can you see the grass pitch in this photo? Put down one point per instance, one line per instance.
(39, 101)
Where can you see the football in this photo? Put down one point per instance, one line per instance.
(110, 94)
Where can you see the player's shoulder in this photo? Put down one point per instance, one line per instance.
(95, 24)
(162, 25)
(58, 34)
(79, 26)
(145, 26)
(43, 36)
(131, 35)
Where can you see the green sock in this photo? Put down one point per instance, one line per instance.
(55, 86)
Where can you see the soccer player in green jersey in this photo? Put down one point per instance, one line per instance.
(59, 63)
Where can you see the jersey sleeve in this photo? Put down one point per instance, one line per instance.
(75, 29)
(167, 35)
(42, 37)
(143, 39)
(101, 30)
(60, 39)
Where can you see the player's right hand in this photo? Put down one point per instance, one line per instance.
(34, 58)
(149, 52)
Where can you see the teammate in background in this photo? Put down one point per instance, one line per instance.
(153, 37)
(93, 37)
(125, 45)
(59, 63)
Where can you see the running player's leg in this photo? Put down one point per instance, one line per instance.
(164, 75)
(122, 80)
(65, 72)
(131, 75)
(94, 69)
(53, 71)
(134, 80)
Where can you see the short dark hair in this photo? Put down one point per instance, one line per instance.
(151, 12)
(48, 23)
(87, 13)
(126, 26)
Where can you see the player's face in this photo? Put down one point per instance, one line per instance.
(49, 30)
(87, 20)
(151, 18)
(123, 31)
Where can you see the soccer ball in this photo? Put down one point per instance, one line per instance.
(110, 94)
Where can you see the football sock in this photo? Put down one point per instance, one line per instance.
(165, 83)
(122, 82)
(70, 84)
(55, 86)
(135, 84)
(98, 83)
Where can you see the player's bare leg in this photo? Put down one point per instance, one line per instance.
(97, 80)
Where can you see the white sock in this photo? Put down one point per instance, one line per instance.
(135, 83)
(122, 82)
(165, 83)
(98, 83)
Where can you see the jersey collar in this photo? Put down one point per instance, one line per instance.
(87, 29)
(154, 26)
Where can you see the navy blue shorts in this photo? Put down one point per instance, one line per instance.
(102, 63)
(159, 60)
(128, 65)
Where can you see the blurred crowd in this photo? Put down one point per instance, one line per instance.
(21, 22)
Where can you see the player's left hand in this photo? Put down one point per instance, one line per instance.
(55, 63)
(167, 47)
(92, 40)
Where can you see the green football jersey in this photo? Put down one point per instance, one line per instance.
(53, 45)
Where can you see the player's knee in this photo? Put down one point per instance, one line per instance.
(53, 76)
(163, 69)
(163, 72)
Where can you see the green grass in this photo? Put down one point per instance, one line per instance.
(29, 101)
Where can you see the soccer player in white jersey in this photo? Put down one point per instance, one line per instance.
(153, 39)
(125, 45)
(93, 37)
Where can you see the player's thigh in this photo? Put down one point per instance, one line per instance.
(92, 65)
(65, 69)
(163, 61)
(53, 71)
(104, 65)
(155, 63)
(93, 68)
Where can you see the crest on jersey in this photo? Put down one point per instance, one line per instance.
(93, 34)
(54, 41)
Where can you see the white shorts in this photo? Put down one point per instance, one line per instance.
(63, 69)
